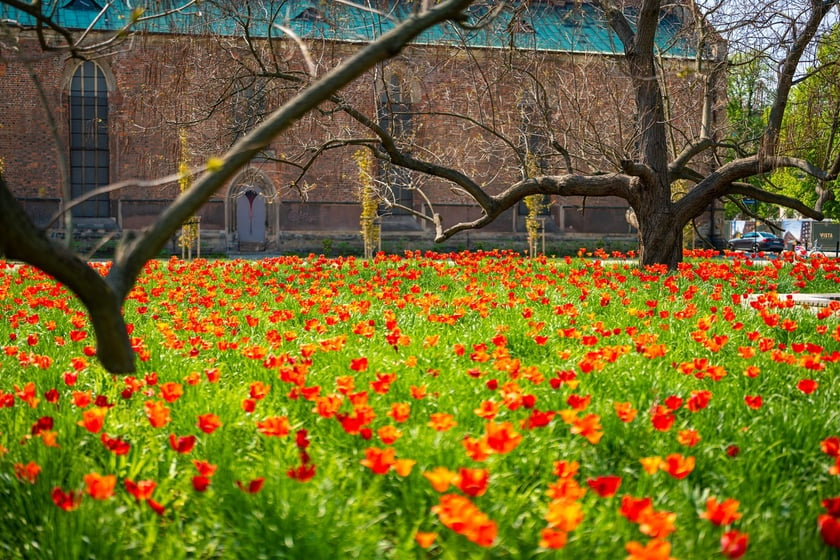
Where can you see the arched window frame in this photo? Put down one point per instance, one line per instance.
(89, 140)
(394, 113)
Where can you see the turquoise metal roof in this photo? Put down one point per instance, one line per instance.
(549, 25)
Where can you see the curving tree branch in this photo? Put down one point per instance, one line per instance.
(725, 181)
(20, 239)
(787, 73)
(560, 185)
(750, 191)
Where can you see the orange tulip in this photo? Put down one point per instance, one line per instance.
(100, 487)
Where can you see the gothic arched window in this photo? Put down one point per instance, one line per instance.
(394, 108)
(89, 146)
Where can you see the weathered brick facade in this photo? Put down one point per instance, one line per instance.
(162, 84)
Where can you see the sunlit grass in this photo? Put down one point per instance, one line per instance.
(293, 408)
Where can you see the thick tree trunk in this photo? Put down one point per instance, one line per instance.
(660, 238)
(660, 227)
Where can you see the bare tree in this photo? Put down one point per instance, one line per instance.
(642, 126)
(103, 296)
(649, 162)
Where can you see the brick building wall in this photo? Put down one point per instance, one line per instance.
(164, 84)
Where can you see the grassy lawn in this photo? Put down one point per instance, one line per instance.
(470, 405)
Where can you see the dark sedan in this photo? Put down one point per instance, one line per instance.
(756, 241)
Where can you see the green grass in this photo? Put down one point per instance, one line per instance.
(296, 324)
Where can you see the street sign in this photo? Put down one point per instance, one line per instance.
(825, 235)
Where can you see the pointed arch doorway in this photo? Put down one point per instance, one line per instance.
(250, 217)
(252, 214)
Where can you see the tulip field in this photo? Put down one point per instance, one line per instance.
(473, 405)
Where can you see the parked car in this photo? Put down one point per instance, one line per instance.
(756, 241)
